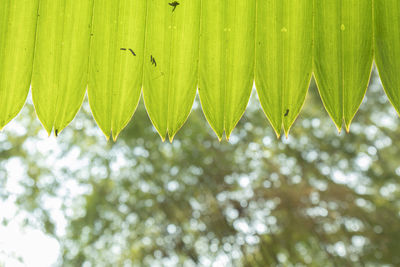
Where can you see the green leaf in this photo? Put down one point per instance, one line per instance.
(342, 55)
(171, 63)
(60, 68)
(116, 62)
(17, 42)
(283, 59)
(226, 70)
(387, 47)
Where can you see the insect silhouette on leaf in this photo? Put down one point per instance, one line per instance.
(174, 4)
(287, 113)
(153, 61)
(133, 53)
(56, 132)
(124, 49)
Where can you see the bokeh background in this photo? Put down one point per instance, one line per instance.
(317, 198)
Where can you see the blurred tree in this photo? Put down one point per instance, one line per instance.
(316, 198)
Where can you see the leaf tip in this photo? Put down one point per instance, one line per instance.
(347, 124)
(219, 134)
(115, 135)
(347, 128)
(338, 126)
(172, 133)
(278, 134)
(286, 133)
(228, 135)
(162, 136)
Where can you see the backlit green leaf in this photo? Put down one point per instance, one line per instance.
(283, 58)
(342, 55)
(17, 42)
(116, 62)
(226, 70)
(61, 61)
(387, 47)
(171, 62)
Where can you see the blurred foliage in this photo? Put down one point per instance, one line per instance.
(316, 198)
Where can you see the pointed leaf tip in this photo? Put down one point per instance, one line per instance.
(284, 59)
(116, 63)
(343, 54)
(171, 64)
(17, 44)
(226, 63)
(60, 68)
(387, 47)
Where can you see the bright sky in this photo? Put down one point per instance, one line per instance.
(23, 245)
(26, 243)
(30, 245)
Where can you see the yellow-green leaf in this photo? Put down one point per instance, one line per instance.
(387, 47)
(116, 62)
(17, 42)
(61, 61)
(283, 58)
(342, 55)
(226, 68)
(171, 62)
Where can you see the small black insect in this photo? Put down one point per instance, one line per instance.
(56, 132)
(287, 113)
(174, 4)
(123, 49)
(133, 53)
(153, 61)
